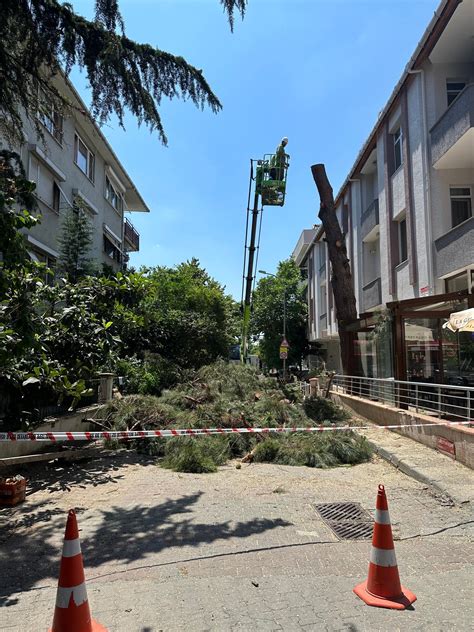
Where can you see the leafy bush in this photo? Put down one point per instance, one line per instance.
(149, 376)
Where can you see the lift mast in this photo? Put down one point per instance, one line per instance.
(268, 184)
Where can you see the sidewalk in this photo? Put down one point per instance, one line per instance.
(237, 550)
(443, 474)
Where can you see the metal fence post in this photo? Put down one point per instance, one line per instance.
(439, 402)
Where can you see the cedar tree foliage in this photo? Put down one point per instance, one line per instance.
(42, 38)
(75, 241)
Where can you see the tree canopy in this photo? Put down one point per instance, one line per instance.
(41, 38)
(267, 315)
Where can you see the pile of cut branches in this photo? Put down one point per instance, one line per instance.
(229, 395)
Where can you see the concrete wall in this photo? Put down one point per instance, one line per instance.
(442, 180)
(455, 249)
(385, 263)
(66, 423)
(462, 437)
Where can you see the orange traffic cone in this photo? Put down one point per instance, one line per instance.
(72, 612)
(383, 588)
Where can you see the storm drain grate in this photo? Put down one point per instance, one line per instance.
(348, 521)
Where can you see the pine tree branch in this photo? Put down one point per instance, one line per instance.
(41, 38)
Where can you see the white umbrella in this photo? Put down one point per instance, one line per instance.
(461, 321)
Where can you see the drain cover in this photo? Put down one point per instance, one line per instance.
(348, 521)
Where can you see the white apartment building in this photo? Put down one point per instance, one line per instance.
(406, 208)
(74, 160)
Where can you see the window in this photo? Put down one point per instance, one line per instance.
(111, 250)
(52, 119)
(84, 158)
(56, 197)
(322, 255)
(48, 272)
(397, 149)
(402, 241)
(461, 204)
(453, 88)
(112, 195)
(457, 283)
(323, 305)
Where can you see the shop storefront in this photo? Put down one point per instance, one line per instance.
(424, 350)
(407, 342)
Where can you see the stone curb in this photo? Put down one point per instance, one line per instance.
(413, 472)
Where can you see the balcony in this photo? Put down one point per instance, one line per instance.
(302, 247)
(452, 137)
(372, 294)
(132, 237)
(369, 221)
(455, 249)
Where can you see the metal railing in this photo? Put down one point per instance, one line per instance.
(444, 401)
(372, 209)
(132, 235)
(305, 389)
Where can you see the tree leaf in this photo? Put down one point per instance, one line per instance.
(30, 380)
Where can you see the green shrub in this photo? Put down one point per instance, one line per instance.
(149, 376)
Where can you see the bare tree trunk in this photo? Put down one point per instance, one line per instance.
(341, 277)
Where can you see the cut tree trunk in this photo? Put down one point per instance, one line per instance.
(341, 277)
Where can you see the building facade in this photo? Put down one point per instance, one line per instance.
(406, 209)
(74, 161)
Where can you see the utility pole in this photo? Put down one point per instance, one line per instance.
(284, 341)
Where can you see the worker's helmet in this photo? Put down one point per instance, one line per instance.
(284, 140)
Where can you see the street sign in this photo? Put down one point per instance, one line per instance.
(284, 343)
(283, 353)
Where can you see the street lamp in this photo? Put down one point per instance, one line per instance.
(284, 316)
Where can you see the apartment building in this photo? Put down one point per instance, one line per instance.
(406, 208)
(72, 161)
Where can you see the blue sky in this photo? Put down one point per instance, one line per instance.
(317, 71)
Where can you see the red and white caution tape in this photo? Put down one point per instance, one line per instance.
(196, 432)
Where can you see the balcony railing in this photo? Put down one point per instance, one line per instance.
(372, 294)
(132, 237)
(369, 218)
(455, 249)
(454, 123)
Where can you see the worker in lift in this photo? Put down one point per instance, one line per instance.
(278, 161)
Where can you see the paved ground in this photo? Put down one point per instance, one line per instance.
(428, 466)
(236, 550)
